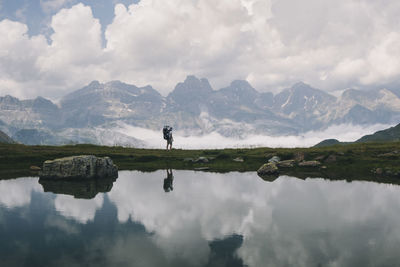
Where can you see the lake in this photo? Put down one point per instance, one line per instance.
(190, 218)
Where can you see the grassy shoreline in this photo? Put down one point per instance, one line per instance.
(353, 161)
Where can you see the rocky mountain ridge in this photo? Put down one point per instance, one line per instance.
(193, 107)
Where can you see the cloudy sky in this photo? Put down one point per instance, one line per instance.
(51, 47)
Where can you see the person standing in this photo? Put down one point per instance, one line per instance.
(167, 132)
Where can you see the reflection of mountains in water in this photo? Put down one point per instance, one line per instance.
(87, 189)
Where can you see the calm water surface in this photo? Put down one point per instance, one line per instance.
(199, 219)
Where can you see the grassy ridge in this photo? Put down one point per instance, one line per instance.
(353, 162)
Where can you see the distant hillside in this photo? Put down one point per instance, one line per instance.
(5, 138)
(388, 135)
(328, 142)
(391, 134)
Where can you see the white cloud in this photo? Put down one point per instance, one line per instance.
(383, 60)
(174, 38)
(152, 139)
(271, 43)
(29, 66)
(19, 54)
(75, 54)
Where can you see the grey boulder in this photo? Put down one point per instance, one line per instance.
(268, 169)
(79, 167)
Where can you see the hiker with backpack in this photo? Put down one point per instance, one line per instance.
(167, 133)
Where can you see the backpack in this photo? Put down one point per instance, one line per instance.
(166, 132)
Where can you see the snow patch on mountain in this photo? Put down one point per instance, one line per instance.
(368, 99)
(389, 100)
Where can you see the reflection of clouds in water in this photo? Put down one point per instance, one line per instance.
(335, 224)
(189, 244)
(201, 208)
(17, 192)
(82, 210)
(132, 250)
(129, 249)
(289, 221)
(201, 198)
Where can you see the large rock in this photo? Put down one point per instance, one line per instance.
(268, 169)
(79, 167)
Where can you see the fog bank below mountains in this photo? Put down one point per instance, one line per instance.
(154, 139)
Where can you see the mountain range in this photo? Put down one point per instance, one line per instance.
(90, 114)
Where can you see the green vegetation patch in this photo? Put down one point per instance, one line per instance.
(359, 161)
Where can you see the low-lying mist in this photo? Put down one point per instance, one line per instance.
(154, 139)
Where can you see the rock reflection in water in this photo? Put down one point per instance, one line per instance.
(85, 188)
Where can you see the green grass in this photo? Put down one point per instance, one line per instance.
(354, 161)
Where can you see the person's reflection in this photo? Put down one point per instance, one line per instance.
(168, 181)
